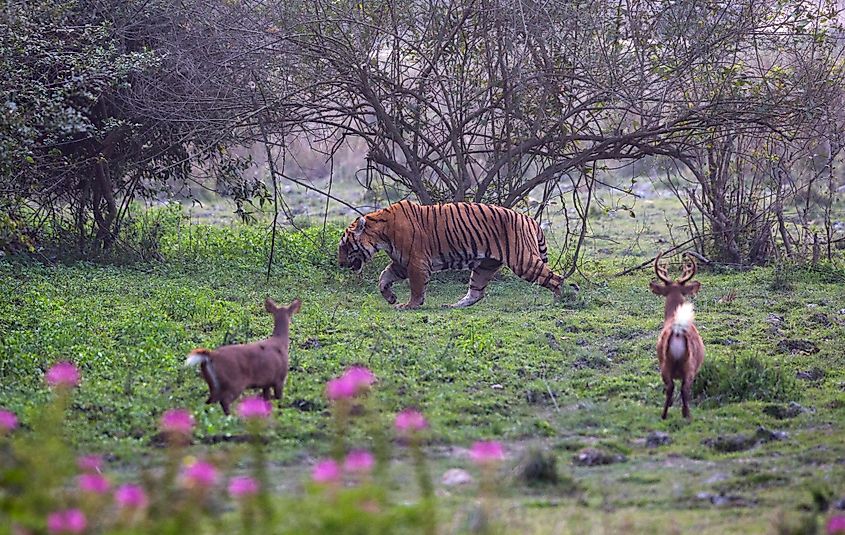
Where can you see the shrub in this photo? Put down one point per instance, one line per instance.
(540, 468)
(743, 378)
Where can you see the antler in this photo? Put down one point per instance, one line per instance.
(689, 269)
(660, 270)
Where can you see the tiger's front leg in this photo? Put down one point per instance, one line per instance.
(392, 273)
(418, 279)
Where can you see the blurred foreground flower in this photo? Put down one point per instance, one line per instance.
(177, 422)
(836, 525)
(359, 462)
(487, 452)
(93, 483)
(254, 408)
(8, 421)
(360, 377)
(131, 497)
(326, 471)
(199, 475)
(410, 421)
(354, 381)
(62, 374)
(67, 521)
(90, 463)
(243, 487)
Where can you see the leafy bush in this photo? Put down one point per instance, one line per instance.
(743, 378)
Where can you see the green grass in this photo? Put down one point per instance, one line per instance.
(516, 367)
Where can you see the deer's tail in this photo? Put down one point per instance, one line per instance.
(202, 357)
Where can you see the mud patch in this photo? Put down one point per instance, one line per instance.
(306, 405)
(742, 442)
(725, 500)
(794, 347)
(656, 439)
(782, 412)
(813, 374)
(597, 457)
(311, 343)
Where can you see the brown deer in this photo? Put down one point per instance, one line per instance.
(680, 349)
(229, 370)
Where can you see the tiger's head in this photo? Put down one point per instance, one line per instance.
(357, 246)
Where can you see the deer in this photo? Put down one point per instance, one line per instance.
(680, 349)
(231, 369)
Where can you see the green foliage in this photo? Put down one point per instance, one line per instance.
(102, 103)
(744, 378)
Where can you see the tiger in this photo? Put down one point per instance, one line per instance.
(423, 239)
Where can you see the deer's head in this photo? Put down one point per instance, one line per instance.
(675, 291)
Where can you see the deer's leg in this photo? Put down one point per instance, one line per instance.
(213, 393)
(478, 281)
(392, 273)
(226, 399)
(278, 388)
(418, 278)
(265, 393)
(670, 393)
(686, 387)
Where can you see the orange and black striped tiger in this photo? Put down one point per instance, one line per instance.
(422, 239)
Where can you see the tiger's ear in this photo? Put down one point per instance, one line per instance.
(359, 228)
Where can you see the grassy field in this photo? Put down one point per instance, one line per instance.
(564, 378)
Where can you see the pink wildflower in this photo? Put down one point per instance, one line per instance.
(359, 461)
(131, 497)
(67, 521)
(340, 388)
(90, 463)
(835, 525)
(487, 452)
(360, 377)
(254, 408)
(326, 471)
(199, 475)
(8, 421)
(354, 381)
(410, 421)
(93, 483)
(177, 422)
(242, 487)
(62, 374)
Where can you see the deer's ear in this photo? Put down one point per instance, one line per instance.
(270, 306)
(359, 228)
(295, 305)
(691, 288)
(657, 288)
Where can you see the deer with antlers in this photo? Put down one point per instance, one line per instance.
(680, 349)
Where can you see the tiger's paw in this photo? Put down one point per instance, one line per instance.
(406, 306)
(389, 296)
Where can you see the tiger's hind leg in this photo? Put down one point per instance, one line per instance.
(481, 276)
(536, 271)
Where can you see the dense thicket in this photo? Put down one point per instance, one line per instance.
(738, 102)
